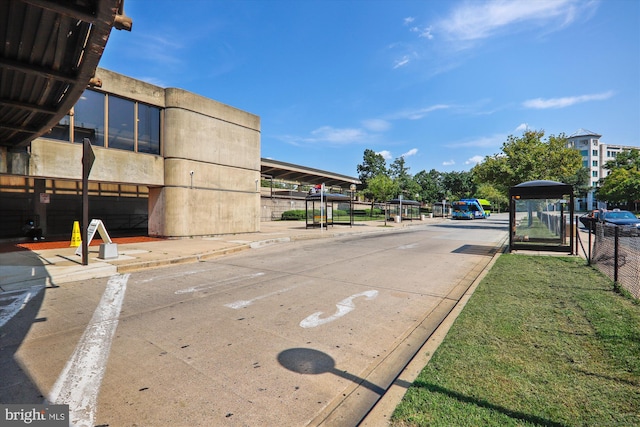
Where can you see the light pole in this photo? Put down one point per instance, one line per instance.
(352, 187)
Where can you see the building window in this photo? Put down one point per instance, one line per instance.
(121, 123)
(89, 118)
(61, 131)
(125, 131)
(584, 153)
(148, 129)
(594, 174)
(594, 163)
(585, 163)
(594, 183)
(594, 152)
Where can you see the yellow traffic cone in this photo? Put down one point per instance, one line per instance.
(76, 239)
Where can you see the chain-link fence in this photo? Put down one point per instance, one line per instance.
(616, 252)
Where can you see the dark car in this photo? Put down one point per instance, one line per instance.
(621, 218)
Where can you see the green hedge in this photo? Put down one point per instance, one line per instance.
(297, 214)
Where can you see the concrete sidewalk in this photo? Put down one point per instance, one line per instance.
(21, 269)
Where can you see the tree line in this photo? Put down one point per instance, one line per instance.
(526, 158)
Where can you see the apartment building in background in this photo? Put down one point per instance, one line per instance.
(595, 154)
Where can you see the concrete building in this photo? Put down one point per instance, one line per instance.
(595, 154)
(167, 162)
(192, 164)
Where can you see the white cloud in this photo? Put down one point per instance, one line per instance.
(376, 125)
(408, 20)
(473, 21)
(337, 136)
(401, 62)
(410, 153)
(474, 160)
(419, 113)
(522, 127)
(541, 104)
(423, 32)
(448, 163)
(385, 154)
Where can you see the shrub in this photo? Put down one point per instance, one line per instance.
(293, 215)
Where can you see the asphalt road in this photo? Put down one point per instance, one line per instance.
(294, 334)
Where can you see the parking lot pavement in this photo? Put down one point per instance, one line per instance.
(23, 264)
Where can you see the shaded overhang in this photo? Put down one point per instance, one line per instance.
(49, 51)
(304, 175)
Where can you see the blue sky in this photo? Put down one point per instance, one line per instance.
(441, 83)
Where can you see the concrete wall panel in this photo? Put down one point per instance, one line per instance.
(186, 212)
(127, 87)
(63, 160)
(205, 130)
(210, 176)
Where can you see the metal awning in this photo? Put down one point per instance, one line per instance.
(304, 175)
(49, 51)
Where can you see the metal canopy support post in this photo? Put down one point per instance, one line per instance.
(87, 161)
(321, 205)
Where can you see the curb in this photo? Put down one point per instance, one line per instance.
(142, 265)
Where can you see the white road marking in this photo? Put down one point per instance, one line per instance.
(343, 307)
(79, 382)
(13, 301)
(409, 246)
(245, 303)
(221, 282)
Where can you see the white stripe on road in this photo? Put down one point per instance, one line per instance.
(343, 307)
(79, 383)
(17, 300)
(221, 282)
(245, 303)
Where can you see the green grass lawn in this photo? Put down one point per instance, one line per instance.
(538, 229)
(543, 341)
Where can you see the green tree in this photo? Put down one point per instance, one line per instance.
(627, 159)
(529, 158)
(407, 186)
(458, 185)
(373, 164)
(622, 185)
(498, 199)
(382, 188)
(431, 189)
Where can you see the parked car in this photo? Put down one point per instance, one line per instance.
(622, 218)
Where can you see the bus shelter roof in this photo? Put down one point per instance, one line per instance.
(403, 201)
(329, 197)
(541, 189)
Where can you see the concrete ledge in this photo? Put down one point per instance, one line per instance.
(268, 242)
(142, 265)
(136, 266)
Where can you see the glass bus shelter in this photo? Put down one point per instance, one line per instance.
(323, 209)
(403, 209)
(538, 216)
